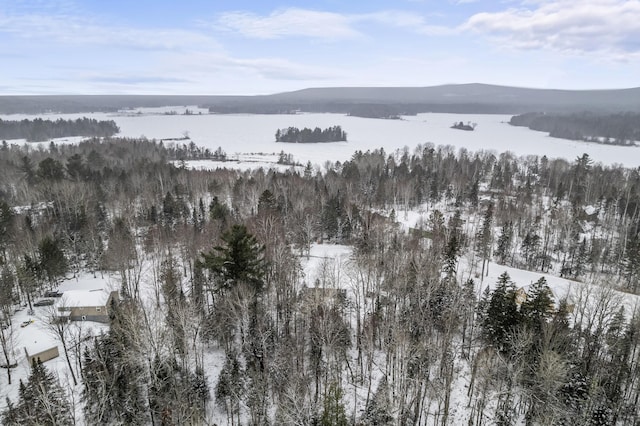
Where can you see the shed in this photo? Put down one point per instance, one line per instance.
(43, 354)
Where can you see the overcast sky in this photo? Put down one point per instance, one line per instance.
(253, 47)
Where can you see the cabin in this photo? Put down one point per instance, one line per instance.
(86, 305)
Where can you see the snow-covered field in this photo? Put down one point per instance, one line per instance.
(241, 162)
(246, 133)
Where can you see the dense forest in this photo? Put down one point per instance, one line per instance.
(38, 130)
(612, 129)
(209, 269)
(376, 111)
(307, 135)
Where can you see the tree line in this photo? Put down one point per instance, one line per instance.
(417, 319)
(307, 135)
(612, 129)
(38, 130)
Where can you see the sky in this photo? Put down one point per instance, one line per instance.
(244, 47)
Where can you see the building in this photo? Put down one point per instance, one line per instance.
(41, 353)
(86, 305)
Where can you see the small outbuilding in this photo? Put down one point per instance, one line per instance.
(41, 353)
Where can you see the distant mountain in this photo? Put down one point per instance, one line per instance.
(459, 98)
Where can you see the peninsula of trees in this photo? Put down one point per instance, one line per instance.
(39, 130)
(307, 135)
(612, 129)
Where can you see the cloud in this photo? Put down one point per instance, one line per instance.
(607, 28)
(79, 30)
(405, 20)
(295, 22)
(289, 22)
(133, 79)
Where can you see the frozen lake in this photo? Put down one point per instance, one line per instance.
(248, 133)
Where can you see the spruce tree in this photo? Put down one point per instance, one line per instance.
(504, 243)
(41, 401)
(501, 315)
(539, 306)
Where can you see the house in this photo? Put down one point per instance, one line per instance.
(86, 305)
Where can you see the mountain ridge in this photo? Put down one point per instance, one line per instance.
(466, 98)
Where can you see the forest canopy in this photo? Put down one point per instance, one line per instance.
(233, 310)
(307, 135)
(39, 130)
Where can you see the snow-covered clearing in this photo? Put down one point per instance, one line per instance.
(38, 336)
(241, 162)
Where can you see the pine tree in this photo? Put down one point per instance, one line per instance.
(240, 260)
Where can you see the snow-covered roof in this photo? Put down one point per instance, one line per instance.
(35, 337)
(84, 298)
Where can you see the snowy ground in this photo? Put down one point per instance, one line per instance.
(241, 162)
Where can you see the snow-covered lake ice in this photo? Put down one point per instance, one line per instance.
(250, 133)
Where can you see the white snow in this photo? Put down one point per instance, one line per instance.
(325, 266)
(84, 298)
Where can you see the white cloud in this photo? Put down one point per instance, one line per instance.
(321, 25)
(605, 28)
(289, 22)
(406, 20)
(76, 30)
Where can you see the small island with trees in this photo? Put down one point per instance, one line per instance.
(461, 126)
(307, 135)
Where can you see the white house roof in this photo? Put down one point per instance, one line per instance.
(84, 298)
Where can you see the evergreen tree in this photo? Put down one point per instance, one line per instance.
(113, 375)
(240, 260)
(177, 395)
(41, 401)
(539, 306)
(51, 259)
(501, 315)
(377, 411)
(6, 221)
(503, 248)
(231, 385)
(333, 413)
(483, 238)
